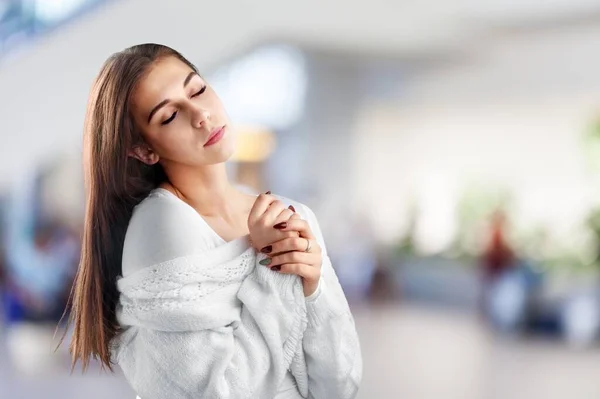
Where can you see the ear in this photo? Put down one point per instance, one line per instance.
(144, 154)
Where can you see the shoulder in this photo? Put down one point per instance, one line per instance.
(161, 228)
(158, 209)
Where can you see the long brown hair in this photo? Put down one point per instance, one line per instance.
(114, 183)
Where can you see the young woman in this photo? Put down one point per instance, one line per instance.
(192, 286)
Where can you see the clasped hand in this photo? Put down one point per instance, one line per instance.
(279, 232)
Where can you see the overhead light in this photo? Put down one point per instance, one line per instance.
(53, 11)
(267, 87)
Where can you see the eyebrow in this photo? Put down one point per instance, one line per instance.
(166, 101)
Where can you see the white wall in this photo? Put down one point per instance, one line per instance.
(514, 116)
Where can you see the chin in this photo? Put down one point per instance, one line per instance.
(223, 153)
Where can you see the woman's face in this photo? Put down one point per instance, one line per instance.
(181, 118)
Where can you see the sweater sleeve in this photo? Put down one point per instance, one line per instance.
(331, 344)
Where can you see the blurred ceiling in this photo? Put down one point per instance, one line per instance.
(413, 27)
(44, 87)
(378, 27)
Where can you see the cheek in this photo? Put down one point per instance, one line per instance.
(216, 106)
(149, 137)
(159, 140)
(179, 138)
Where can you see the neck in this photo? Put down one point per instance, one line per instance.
(207, 189)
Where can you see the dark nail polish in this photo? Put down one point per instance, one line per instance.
(267, 249)
(265, 262)
(276, 268)
(291, 207)
(280, 226)
(268, 192)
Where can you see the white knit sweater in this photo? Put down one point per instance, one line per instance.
(203, 319)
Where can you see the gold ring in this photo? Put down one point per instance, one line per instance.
(308, 246)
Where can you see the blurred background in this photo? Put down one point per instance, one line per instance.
(450, 149)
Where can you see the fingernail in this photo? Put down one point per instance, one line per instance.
(265, 261)
(281, 225)
(268, 192)
(291, 207)
(267, 249)
(276, 268)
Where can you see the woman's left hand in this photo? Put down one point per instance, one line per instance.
(297, 255)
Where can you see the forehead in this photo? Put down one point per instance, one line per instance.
(164, 76)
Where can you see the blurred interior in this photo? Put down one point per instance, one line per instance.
(450, 149)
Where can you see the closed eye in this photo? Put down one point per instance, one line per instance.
(199, 92)
(170, 119)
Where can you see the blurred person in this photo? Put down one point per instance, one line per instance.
(193, 287)
(39, 257)
(39, 263)
(39, 275)
(497, 258)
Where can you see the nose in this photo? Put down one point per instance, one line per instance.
(200, 116)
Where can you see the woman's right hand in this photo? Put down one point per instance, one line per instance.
(266, 213)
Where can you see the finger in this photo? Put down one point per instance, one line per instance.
(282, 235)
(287, 245)
(293, 233)
(279, 236)
(299, 225)
(312, 245)
(300, 269)
(284, 216)
(295, 216)
(271, 214)
(262, 203)
(299, 244)
(294, 257)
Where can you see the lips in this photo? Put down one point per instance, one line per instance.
(215, 136)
